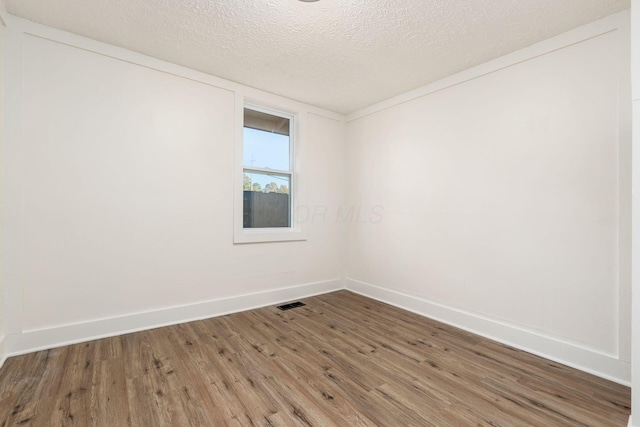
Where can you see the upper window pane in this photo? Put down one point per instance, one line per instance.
(266, 141)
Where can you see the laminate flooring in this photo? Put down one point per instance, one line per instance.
(341, 360)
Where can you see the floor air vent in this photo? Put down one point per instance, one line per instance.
(291, 305)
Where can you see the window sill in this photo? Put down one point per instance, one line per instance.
(266, 235)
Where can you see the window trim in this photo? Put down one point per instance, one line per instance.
(276, 234)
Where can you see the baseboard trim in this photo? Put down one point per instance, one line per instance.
(3, 353)
(559, 351)
(595, 363)
(630, 423)
(43, 339)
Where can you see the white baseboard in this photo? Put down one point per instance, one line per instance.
(630, 424)
(3, 353)
(42, 339)
(554, 349)
(569, 354)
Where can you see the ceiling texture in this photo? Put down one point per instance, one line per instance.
(342, 55)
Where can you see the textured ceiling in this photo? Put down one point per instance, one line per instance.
(342, 55)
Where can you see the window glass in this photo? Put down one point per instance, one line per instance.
(267, 174)
(266, 200)
(265, 150)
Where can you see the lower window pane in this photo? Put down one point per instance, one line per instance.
(266, 200)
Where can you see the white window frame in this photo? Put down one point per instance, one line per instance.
(273, 234)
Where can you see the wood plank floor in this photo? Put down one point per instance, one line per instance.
(342, 360)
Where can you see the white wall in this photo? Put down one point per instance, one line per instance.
(635, 82)
(3, 17)
(505, 198)
(124, 197)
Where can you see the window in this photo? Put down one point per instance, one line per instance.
(266, 169)
(268, 191)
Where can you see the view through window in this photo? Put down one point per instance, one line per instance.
(267, 169)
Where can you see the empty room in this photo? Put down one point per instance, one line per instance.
(319, 213)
